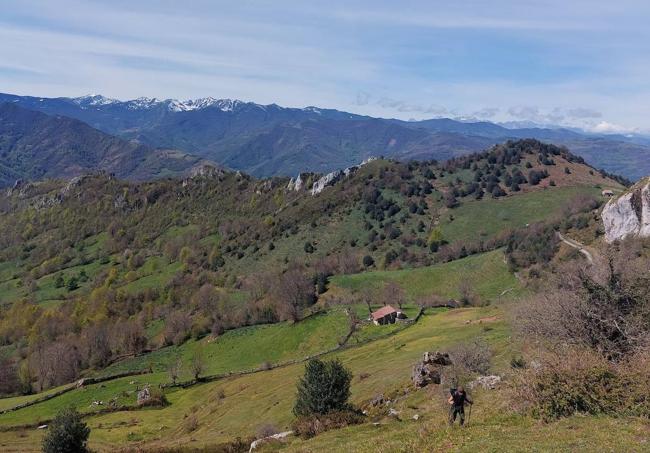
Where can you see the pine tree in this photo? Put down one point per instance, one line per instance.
(324, 388)
(66, 434)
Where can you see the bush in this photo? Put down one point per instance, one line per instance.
(312, 425)
(324, 388)
(66, 433)
(368, 261)
(266, 430)
(473, 356)
(580, 381)
(156, 398)
(191, 423)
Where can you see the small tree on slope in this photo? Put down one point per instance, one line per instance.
(66, 434)
(324, 388)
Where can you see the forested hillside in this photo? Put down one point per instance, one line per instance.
(106, 267)
(37, 146)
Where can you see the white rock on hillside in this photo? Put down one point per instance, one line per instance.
(332, 178)
(629, 214)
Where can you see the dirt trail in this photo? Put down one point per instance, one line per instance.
(578, 246)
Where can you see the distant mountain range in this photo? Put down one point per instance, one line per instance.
(34, 145)
(266, 140)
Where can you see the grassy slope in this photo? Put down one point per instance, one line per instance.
(489, 272)
(486, 218)
(250, 347)
(267, 397)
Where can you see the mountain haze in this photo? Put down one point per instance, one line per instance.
(34, 145)
(267, 140)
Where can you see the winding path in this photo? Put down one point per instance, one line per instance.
(578, 246)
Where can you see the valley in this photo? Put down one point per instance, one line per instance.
(219, 287)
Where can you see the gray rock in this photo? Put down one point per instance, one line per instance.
(629, 214)
(144, 395)
(378, 400)
(487, 382)
(427, 371)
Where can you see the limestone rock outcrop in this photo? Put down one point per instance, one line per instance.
(428, 370)
(629, 214)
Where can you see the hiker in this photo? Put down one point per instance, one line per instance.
(457, 399)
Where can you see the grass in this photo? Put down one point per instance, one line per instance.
(489, 432)
(238, 406)
(158, 278)
(268, 395)
(484, 219)
(249, 347)
(487, 273)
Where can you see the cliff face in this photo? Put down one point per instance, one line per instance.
(629, 214)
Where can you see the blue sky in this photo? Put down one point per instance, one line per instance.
(572, 62)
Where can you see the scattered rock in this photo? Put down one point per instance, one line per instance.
(278, 436)
(378, 400)
(42, 427)
(416, 417)
(143, 396)
(487, 382)
(80, 383)
(393, 413)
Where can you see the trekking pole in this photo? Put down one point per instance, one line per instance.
(469, 416)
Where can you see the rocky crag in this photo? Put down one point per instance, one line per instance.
(628, 215)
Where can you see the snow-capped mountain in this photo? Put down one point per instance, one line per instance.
(93, 100)
(174, 105)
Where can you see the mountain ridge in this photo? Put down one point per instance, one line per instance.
(34, 145)
(267, 140)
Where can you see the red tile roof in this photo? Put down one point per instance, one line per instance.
(383, 311)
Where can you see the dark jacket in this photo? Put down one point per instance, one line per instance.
(460, 398)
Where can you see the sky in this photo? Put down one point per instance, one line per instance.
(572, 62)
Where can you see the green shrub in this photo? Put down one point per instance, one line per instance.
(324, 388)
(66, 434)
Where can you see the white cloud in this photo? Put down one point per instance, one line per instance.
(604, 127)
(381, 58)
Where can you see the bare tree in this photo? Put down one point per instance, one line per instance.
(174, 368)
(293, 291)
(177, 328)
(368, 296)
(604, 308)
(132, 336)
(9, 382)
(197, 362)
(394, 294)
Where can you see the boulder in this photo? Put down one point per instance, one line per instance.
(437, 358)
(428, 370)
(424, 375)
(144, 395)
(629, 214)
(378, 400)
